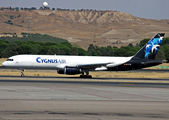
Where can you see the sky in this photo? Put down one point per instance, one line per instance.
(150, 9)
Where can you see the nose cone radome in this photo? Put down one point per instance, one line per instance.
(4, 63)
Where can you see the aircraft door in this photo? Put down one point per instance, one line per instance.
(17, 60)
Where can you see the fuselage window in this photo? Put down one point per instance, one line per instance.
(9, 60)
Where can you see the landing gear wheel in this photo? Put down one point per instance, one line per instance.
(82, 76)
(85, 76)
(22, 75)
(22, 72)
(89, 76)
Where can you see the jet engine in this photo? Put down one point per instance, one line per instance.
(70, 71)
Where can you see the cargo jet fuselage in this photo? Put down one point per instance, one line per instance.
(72, 65)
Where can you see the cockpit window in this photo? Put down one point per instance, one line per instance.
(9, 60)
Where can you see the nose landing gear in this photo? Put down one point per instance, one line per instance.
(22, 72)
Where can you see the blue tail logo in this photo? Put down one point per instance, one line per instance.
(153, 45)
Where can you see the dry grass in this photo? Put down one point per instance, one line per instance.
(131, 74)
(2, 60)
(94, 74)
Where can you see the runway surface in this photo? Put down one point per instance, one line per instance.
(73, 98)
(139, 70)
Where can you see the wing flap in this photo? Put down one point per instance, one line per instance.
(92, 66)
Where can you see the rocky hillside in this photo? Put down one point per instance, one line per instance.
(101, 28)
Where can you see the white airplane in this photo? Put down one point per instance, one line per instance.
(72, 65)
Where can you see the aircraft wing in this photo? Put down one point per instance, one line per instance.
(92, 66)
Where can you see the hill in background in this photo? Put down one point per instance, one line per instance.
(100, 28)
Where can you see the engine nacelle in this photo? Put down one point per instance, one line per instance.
(70, 71)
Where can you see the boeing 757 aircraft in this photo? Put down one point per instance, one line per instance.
(72, 65)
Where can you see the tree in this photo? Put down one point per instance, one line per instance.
(25, 9)
(165, 49)
(66, 44)
(33, 8)
(65, 49)
(55, 50)
(11, 50)
(81, 51)
(110, 51)
(3, 45)
(143, 42)
(120, 52)
(29, 45)
(25, 49)
(49, 44)
(43, 50)
(130, 45)
(91, 50)
(73, 51)
(160, 55)
(165, 41)
(41, 8)
(106, 51)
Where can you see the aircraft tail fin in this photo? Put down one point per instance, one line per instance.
(149, 50)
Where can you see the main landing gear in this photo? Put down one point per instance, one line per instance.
(85, 76)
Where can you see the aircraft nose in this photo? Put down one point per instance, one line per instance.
(4, 64)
